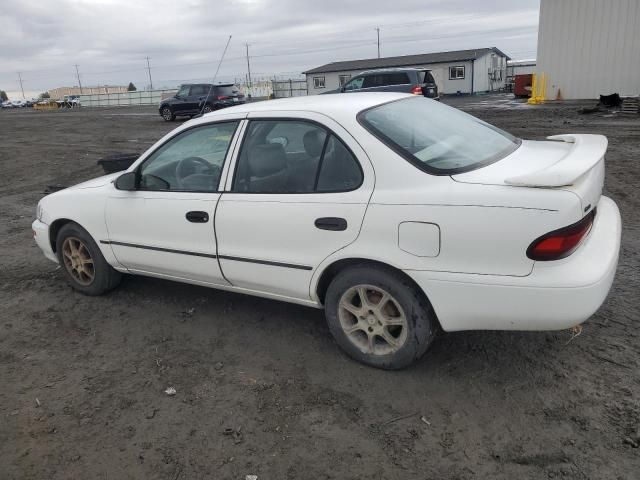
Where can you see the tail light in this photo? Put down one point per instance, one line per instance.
(417, 90)
(562, 242)
(222, 97)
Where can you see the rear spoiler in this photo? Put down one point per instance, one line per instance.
(586, 152)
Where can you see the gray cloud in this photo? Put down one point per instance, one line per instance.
(110, 38)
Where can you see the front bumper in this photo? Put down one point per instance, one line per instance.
(556, 295)
(41, 236)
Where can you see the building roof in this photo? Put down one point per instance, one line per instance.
(406, 60)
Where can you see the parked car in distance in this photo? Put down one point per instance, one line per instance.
(416, 81)
(194, 99)
(16, 104)
(69, 101)
(396, 214)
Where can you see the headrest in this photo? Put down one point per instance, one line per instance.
(313, 142)
(266, 159)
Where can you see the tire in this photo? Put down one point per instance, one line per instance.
(167, 114)
(92, 275)
(406, 319)
(208, 108)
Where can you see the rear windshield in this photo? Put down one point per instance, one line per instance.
(227, 90)
(425, 77)
(436, 138)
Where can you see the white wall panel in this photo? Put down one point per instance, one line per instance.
(589, 47)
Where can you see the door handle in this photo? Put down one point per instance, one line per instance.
(197, 217)
(335, 224)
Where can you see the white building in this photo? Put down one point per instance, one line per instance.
(520, 67)
(461, 71)
(589, 47)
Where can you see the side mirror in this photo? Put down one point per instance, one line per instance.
(126, 181)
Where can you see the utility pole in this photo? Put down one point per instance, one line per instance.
(149, 70)
(377, 29)
(248, 69)
(78, 75)
(20, 77)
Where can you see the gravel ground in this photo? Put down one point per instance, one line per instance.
(261, 387)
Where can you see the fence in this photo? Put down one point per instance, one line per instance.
(289, 88)
(260, 88)
(145, 97)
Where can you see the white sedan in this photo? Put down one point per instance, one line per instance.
(396, 214)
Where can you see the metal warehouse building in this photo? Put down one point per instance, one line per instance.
(589, 47)
(461, 71)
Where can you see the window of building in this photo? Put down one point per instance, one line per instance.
(456, 73)
(318, 82)
(342, 79)
(294, 156)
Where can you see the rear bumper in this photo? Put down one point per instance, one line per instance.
(556, 295)
(41, 236)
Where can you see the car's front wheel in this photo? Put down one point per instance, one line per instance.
(84, 267)
(208, 108)
(167, 114)
(379, 317)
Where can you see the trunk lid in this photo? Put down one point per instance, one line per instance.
(573, 162)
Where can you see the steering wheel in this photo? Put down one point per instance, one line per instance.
(189, 166)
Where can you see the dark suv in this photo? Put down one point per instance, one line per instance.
(409, 80)
(193, 99)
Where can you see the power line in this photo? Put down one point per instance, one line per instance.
(149, 70)
(78, 75)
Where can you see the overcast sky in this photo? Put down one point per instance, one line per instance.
(109, 39)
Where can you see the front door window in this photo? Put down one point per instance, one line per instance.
(191, 161)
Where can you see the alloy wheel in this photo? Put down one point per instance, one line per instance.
(78, 261)
(372, 320)
(166, 113)
(207, 109)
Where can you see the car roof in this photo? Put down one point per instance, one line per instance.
(208, 84)
(397, 69)
(332, 104)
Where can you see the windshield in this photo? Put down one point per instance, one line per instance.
(436, 138)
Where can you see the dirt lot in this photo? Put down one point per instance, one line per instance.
(82, 379)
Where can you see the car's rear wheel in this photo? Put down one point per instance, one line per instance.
(208, 108)
(168, 115)
(379, 317)
(84, 267)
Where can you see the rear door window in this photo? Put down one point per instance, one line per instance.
(227, 90)
(294, 156)
(372, 81)
(199, 90)
(398, 78)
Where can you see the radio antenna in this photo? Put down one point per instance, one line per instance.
(216, 74)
